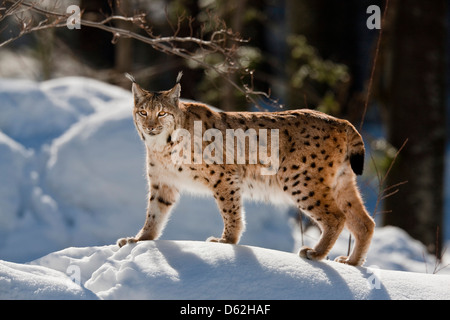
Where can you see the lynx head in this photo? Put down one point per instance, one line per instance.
(156, 114)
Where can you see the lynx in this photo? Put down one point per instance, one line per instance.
(313, 167)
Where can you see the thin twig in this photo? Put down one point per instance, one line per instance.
(381, 192)
(300, 217)
(374, 64)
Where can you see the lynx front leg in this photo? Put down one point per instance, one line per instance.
(229, 203)
(161, 202)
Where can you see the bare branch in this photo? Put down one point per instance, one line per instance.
(13, 9)
(221, 41)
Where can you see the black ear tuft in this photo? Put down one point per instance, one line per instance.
(180, 74)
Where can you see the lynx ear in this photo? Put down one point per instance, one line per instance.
(174, 93)
(138, 92)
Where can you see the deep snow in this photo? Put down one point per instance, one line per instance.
(72, 175)
(166, 269)
(192, 270)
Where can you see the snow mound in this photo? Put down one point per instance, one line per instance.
(20, 281)
(166, 269)
(35, 113)
(12, 161)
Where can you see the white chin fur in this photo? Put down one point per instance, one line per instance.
(157, 141)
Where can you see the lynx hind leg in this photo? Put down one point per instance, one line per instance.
(358, 221)
(319, 205)
(161, 202)
(330, 222)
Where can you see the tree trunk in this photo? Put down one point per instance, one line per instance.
(415, 110)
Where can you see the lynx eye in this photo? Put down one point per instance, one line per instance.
(162, 114)
(142, 113)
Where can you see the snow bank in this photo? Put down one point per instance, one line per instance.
(35, 113)
(12, 161)
(199, 270)
(52, 135)
(19, 281)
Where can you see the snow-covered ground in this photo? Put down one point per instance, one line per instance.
(72, 182)
(166, 269)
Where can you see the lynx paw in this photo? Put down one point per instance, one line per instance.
(214, 239)
(310, 254)
(346, 260)
(123, 241)
(220, 240)
(342, 259)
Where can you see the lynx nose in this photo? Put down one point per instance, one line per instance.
(153, 130)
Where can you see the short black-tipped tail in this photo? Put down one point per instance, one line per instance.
(355, 149)
(357, 163)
